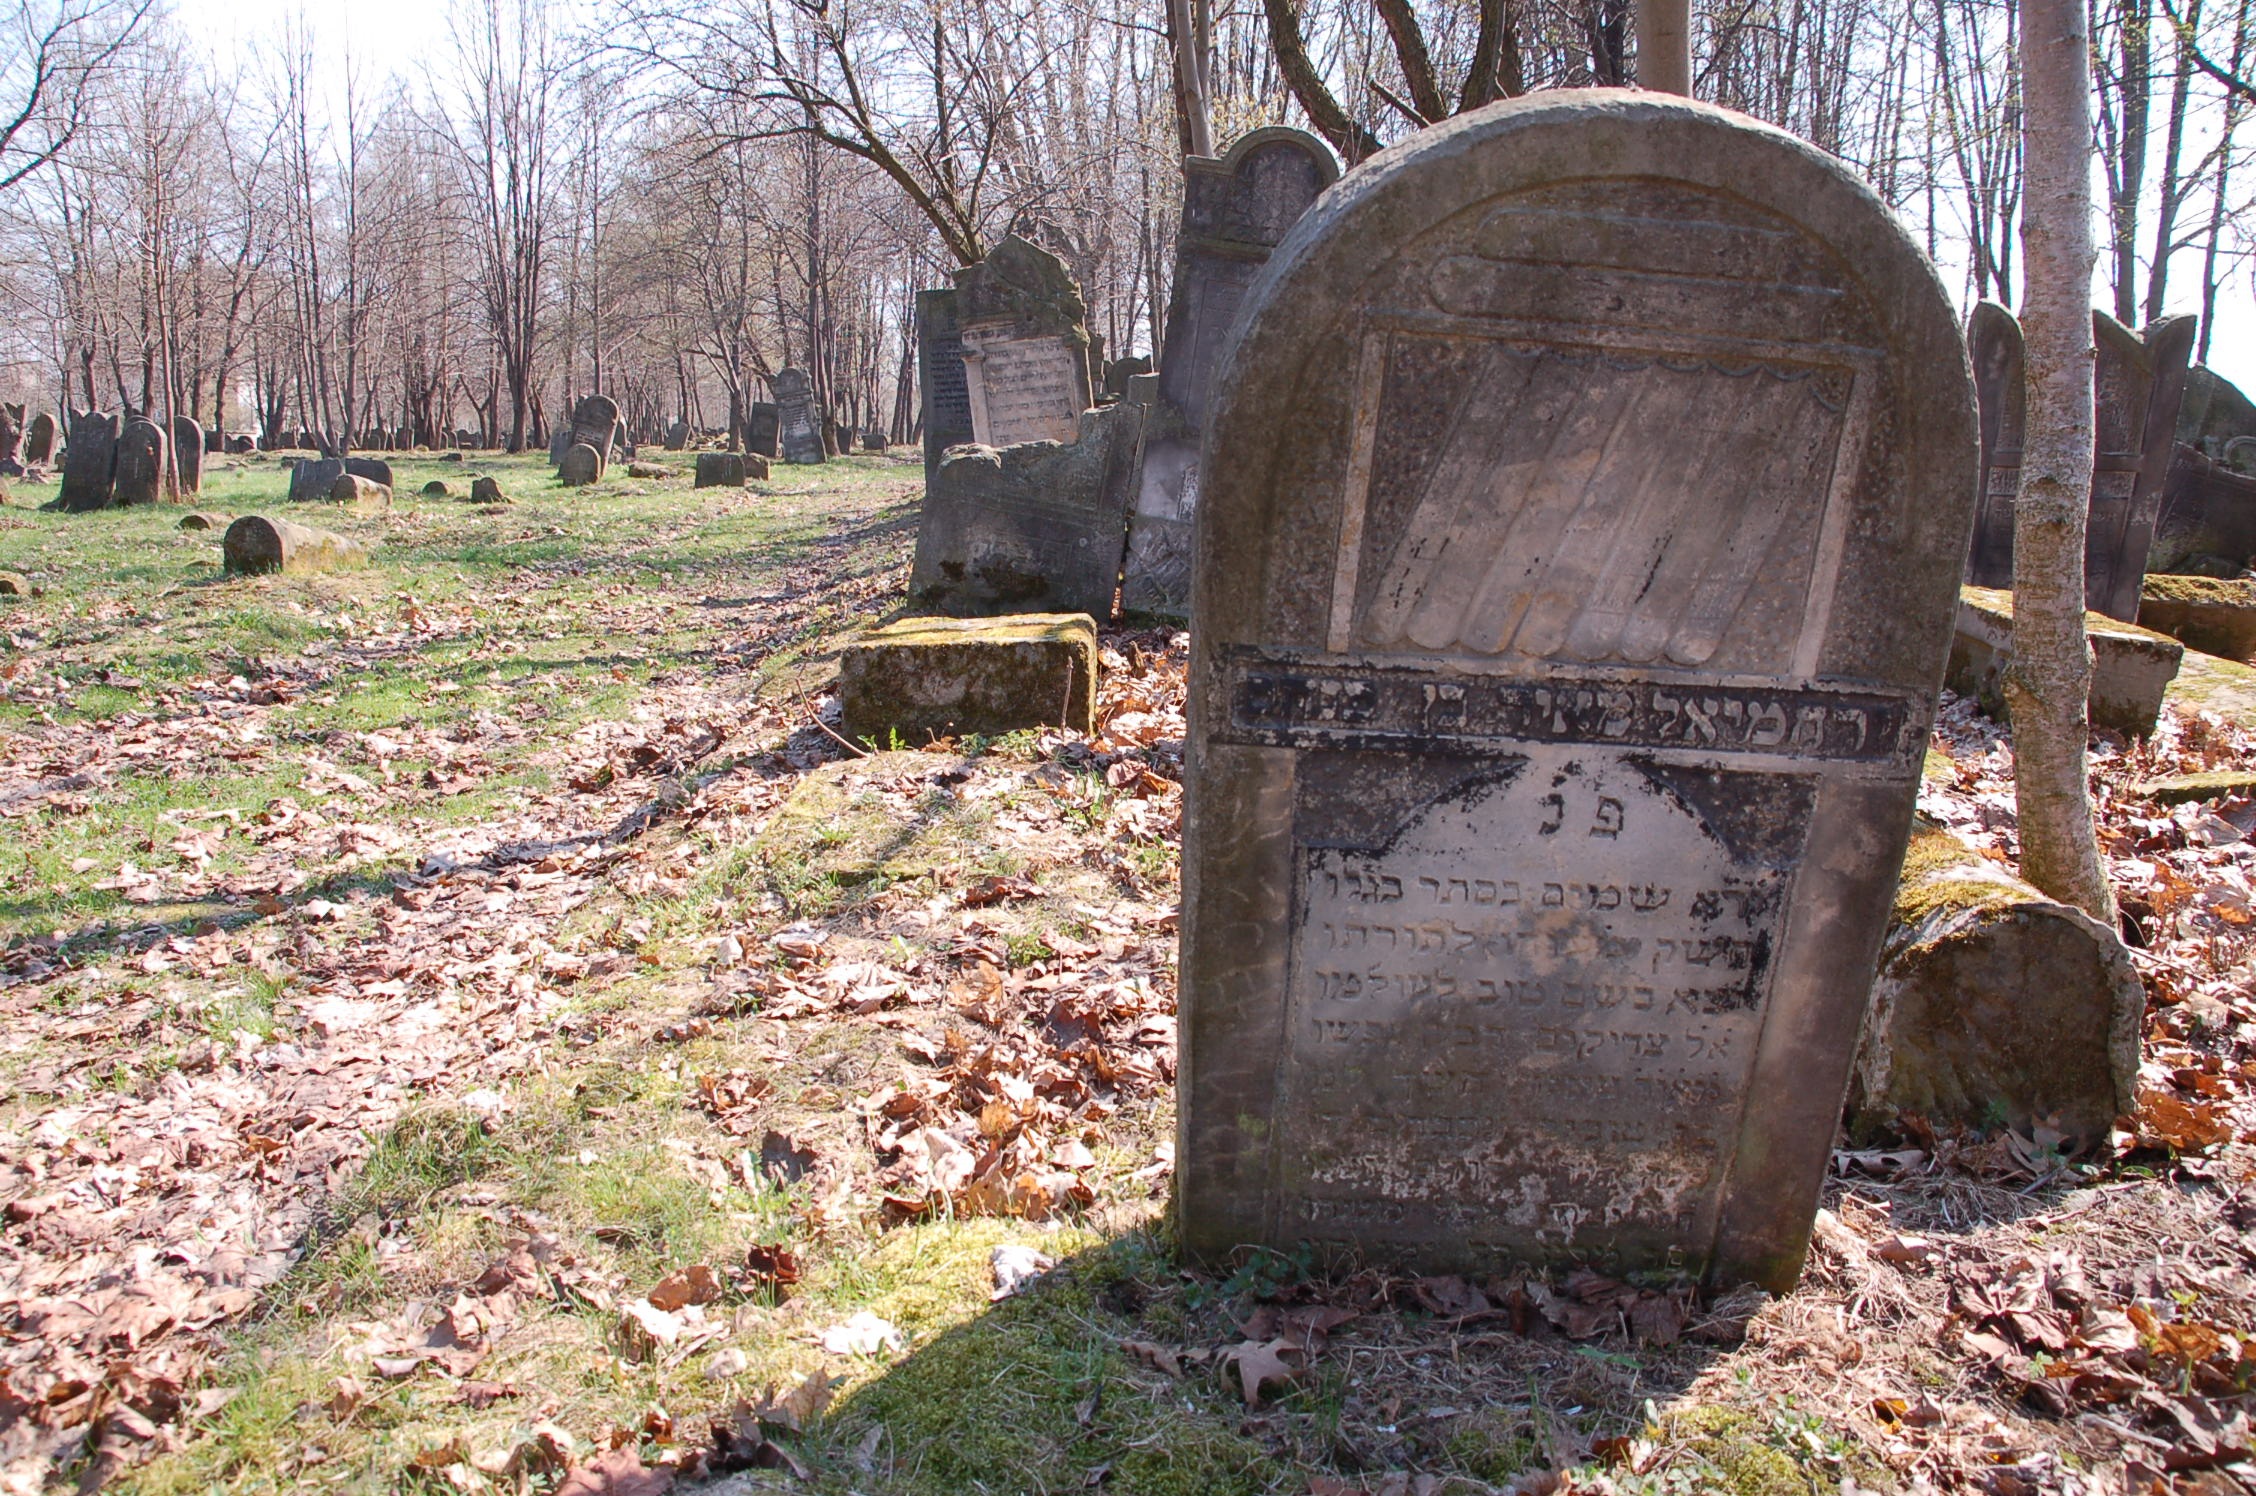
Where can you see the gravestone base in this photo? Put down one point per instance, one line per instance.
(926, 678)
(2132, 667)
(1995, 1006)
(2216, 617)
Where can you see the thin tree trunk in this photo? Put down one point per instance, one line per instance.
(2048, 685)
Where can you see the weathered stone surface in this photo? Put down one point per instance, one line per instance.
(2208, 519)
(1025, 350)
(2211, 784)
(797, 420)
(1235, 210)
(187, 457)
(2138, 382)
(581, 466)
(2225, 688)
(1119, 371)
(2213, 412)
(140, 463)
(941, 377)
(374, 469)
(649, 470)
(314, 477)
(39, 439)
(2131, 666)
(12, 423)
(255, 544)
(1582, 511)
(90, 463)
(15, 584)
(677, 436)
(363, 493)
(595, 425)
(763, 422)
(1996, 1006)
(720, 470)
(2204, 613)
(439, 488)
(487, 491)
(240, 445)
(926, 678)
(1034, 528)
(201, 520)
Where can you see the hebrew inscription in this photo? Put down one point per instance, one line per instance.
(1022, 389)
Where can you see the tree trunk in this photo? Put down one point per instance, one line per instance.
(2049, 681)
(1664, 46)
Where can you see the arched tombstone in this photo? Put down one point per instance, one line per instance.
(90, 463)
(1585, 499)
(39, 439)
(595, 424)
(1235, 209)
(188, 454)
(140, 463)
(1993, 340)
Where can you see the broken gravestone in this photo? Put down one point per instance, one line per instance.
(798, 423)
(941, 377)
(90, 463)
(140, 463)
(2138, 383)
(1235, 210)
(1031, 528)
(1584, 502)
(924, 678)
(1025, 350)
(254, 545)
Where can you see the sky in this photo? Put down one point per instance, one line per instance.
(404, 38)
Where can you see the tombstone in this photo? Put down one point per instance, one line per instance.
(12, 421)
(374, 469)
(240, 444)
(719, 470)
(140, 463)
(941, 378)
(1121, 370)
(873, 441)
(798, 423)
(581, 466)
(594, 424)
(215, 441)
(2207, 523)
(677, 436)
(1031, 528)
(1235, 210)
(2139, 381)
(1583, 502)
(39, 439)
(187, 455)
(90, 463)
(313, 477)
(1025, 350)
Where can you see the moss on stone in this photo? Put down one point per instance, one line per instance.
(2181, 789)
(1942, 872)
(2224, 687)
(921, 678)
(2174, 588)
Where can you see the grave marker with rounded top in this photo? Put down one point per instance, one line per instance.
(1585, 499)
(255, 545)
(188, 455)
(581, 466)
(39, 439)
(90, 463)
(140, 463)
(1025, 348)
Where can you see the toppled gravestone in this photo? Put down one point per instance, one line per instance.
(1583, 507)
(361, 493)
(255, 544)
(1995, 1006)
(1235, 211)
(1032, 528)
(2132, 667)
(924, 678)
(2214, 616)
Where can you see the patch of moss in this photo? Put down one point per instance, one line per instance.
(1736, 1447)
(2174, 588)
(2207, 684)
(1493, 1446)
(2181, 789)
(1942, 872)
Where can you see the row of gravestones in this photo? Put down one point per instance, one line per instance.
(111, 460)
(790, 427)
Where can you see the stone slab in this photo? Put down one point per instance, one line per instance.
(90, 462)
(2132, 667)
(314, 477)
(140, 475)
(919, 679)
(1025, 349)
(2214, 616)
(255, 545)
(719, 470)
(798, 423)
(1582, 513)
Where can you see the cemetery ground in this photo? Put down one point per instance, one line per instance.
(472, 1026)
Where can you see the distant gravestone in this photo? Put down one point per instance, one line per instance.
(374, 469)
(2138, 384)
(1120, 370)
(559, 442)
(312, 477)
(1025, 350)
(1584, 501)
(798, 423)
(12, 423)
(1032, 528)
(677, 436)
(1235, 210)
(873, 441)
(581, 466)
(763, 423)
(90, 463)
(140, 463)
(188, 454)
(240, 444)
(719, 470)
(39, 439)
(595, 422)
(941, 376)
(215, 441)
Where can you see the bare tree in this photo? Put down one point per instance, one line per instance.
(48, 67)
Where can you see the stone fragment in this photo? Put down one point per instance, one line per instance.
(719, 470)
(1025, 348)
(487, 490)
(374, 469)
(1033, 528)
(313, 477)
(924, 678)
(140, 463)
(364, 493)
(1235, 210)
(90, 463)
(2222, 688)
(2131, 666)
(1582, 510)
(1995, 1006)
(581, 466)
(201, 520)
(255, 544)
(649, 470)
(14, 584)
(439, 488)
(798, 422)
(2210, 784)
(2204, 613)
